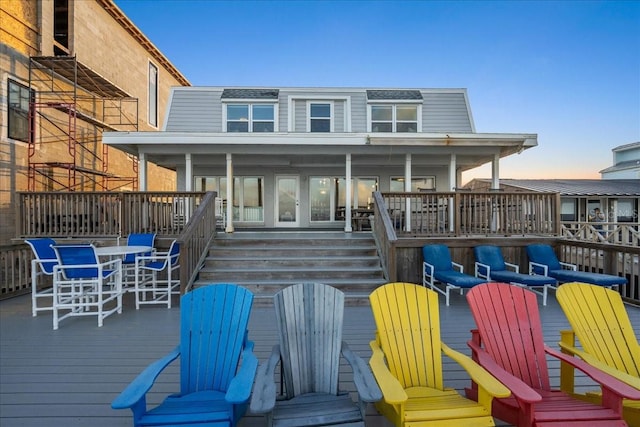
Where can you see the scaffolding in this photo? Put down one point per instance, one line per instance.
(70, 109)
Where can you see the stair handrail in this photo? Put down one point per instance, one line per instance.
(195, 240)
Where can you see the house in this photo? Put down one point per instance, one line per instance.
(309, 157)
(618, 199)
(626, 163)
(70, 70)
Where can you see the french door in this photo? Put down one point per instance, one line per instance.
(287, 201)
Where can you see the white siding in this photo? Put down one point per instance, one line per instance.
(359, 111)
(445, 112)
(195, 111)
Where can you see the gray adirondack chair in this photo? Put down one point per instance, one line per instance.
(309, 318)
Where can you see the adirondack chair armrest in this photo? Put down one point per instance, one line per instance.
(611, 386)
(616, 373)
(263, 399)
(457, 266)
(391, 388)
(537, 268)
(366, 384)
(482, 271)
(239, 389)
(520, 390)
(138, 388)
(477, 373)
(514, 267)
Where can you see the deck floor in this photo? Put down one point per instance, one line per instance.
(68, 377)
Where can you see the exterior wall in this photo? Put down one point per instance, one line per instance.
(102, 44)
(194, 110)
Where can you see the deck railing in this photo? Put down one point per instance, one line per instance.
(99, 214)
(620, 233)
(466, 213)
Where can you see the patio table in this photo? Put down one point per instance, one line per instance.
(121, 251)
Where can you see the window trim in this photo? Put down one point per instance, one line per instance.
(331, 114)
(153, 121)
(394, 119)
(250, 104)
(30, 121)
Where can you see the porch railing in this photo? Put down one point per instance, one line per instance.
(466, 213)
(620, 233)
(99, 214)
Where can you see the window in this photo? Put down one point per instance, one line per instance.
(248, 195)
(250, 118)
(319, 117)
(394, 118)
(18, 115)
(61, 27)
(417, 184)
(153, 95)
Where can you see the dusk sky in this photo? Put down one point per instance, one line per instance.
(568, 71)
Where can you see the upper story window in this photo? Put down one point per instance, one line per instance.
(394, 118)
(250, 118)
(153, 95)
(320, 115)
(18, 115)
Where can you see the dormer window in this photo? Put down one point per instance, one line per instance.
(320, 117)
(394, 118)
(250, 118)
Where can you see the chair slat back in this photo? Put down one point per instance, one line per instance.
(214, 320)
(309, 318)
(70, 255)
(438, 256)
(601, 323)
(509, 324)
(408, 328)
(43, 251)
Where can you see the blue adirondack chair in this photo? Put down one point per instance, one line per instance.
(42, 265)
(543, 260)
(491, 266)
(213, 341)
(437, 266)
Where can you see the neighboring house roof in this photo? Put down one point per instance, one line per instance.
(250, 94)
(628, 164)
(627, 146)
(393, 95)
(577, 187)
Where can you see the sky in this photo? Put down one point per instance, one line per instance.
(568, 71)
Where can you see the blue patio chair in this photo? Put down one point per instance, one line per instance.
(154, 289)
(41, 266)
(84, 286)
(543, 260)
(213, 342)
(129, 262)
(491, 266)
(437, 266)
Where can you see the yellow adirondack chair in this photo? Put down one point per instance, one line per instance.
(407, 363)
(598, 318)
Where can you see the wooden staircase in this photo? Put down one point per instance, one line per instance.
(266, 262)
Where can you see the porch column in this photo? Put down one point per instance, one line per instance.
(453, 184)
(347, 202)
(407, 188)
(142, 172)
(495, 172)
(188, 173)
(229, 225)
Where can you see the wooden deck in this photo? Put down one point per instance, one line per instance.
(70, 376)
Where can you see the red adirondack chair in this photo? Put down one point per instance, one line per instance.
(509, 344)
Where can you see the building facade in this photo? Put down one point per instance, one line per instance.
(310, 156)
(626, 163)
(69, 71)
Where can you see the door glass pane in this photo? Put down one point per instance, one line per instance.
(252, 199)
(287, 199)
(320, 197)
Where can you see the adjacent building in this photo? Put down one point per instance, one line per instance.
(69, 71)
(626, 163)
(301, 157)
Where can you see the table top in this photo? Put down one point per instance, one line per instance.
(121, 250)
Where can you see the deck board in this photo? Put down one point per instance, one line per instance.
(70, 376)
